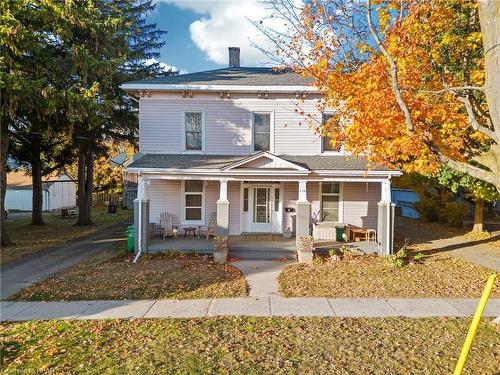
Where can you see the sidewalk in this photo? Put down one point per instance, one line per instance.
(248, 306)
(38, 266)
(261, 276)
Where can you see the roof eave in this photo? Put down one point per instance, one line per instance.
(211, 88)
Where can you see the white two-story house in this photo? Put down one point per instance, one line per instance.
(236, 144)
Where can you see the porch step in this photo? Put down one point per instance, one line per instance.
(261, 253)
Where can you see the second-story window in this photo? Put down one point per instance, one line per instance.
(327, 145)
(193, 129)
(261, 131)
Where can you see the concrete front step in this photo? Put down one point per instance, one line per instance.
(261, 253)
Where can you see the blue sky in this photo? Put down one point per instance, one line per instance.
(199, 32)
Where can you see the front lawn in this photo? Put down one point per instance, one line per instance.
(437, 275)
(110, 276)
(238, 345)
(32, 238)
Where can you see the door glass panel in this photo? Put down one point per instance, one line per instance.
(261, 205)
(276, 199)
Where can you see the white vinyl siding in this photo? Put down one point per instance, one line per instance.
(227, 124)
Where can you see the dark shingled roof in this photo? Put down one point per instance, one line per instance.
(189, 161)
(234, 76)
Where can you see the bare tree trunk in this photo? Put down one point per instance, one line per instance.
(36, 176)
(85, 183)
(4, 147)
(478, 216)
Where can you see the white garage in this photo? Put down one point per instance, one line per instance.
(58, 191)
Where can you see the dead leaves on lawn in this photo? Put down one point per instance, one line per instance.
(155, 276)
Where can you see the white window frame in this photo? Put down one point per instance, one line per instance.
(271, 129)
(183, 131)
(340, 194)
(322, 139)
(183, 204)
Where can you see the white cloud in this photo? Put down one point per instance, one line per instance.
(225, 23)
(165, 67)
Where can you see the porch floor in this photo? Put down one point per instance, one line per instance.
(256, 246)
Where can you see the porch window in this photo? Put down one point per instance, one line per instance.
(193, 131)
(330, 201)
(261, 131)
(193, 201)
(326, 141)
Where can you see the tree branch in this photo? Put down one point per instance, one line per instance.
(393, 71)
(453, 89)
(469, 169)
(473, 121)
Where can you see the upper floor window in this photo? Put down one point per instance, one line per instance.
(327, 145)
(262, 132)
(193, 131)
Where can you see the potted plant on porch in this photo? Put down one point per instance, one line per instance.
(305, 250)
(220, 249)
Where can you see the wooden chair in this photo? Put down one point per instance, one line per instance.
(210, 229)
(167, 229)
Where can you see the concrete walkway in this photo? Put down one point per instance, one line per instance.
(477, 252)
(38, 266)
(261, 276)
(248, 306)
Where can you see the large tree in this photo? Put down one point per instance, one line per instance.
(415, 84)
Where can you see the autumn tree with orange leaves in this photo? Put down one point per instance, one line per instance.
(413, 83)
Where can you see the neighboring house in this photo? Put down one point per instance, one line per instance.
(58, 191)
(405, 200)
(237, 143)
(129, 178)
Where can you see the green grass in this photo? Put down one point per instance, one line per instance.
(248, 346)
(110, 276)
(32, 238)
(437, 275)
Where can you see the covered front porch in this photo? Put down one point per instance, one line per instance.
(261, 202)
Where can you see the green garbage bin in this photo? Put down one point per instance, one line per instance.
(339, 232)
(130, 238)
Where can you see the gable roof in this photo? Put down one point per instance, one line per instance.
(276, 161)
(238, 76)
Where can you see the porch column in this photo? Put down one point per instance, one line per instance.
(385, 224)
(303, 213)
(141, 217)
(223, 210)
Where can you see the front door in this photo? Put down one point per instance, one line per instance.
(261, 220)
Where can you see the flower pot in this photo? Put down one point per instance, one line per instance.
(305, 257)
(220, 257)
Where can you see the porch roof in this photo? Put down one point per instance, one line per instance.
(219, 162)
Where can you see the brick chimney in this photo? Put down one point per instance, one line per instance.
(234, 57)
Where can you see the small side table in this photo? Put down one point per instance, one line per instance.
(188, 230)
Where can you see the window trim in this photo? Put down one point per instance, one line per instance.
(340, 194)
(322, 139)
(271, 129)
(183, 203)
(183, 131)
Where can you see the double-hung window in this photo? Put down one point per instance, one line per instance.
(330, 201)
(193, 131)
(262, 132)
(193, 201)
(326, 140)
